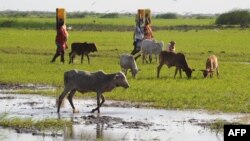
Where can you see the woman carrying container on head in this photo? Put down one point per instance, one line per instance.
(61, 39)
(137, 37)
(148, 33)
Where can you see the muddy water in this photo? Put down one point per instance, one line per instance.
(113, 123)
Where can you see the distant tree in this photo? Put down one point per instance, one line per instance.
(237, 17)
(201, 16)
(167, 16)
(77, 14)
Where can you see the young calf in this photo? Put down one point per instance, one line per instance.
(211, 65)
(81, 49)
(127, 61)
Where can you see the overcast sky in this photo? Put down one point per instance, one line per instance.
(107, 6)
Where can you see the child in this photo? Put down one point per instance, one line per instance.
(171, 46)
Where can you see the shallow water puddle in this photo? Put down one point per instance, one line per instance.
(113, 123)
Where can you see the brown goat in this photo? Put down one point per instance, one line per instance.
(211, 65)
(81, 49)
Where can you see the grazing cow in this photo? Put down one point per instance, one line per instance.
(174, 59)
(127, 61)
(211, 65)
(150, 47)
(81, 49)
(84, 81)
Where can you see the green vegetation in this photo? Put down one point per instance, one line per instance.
(25, 55)
(53, 125)
(236, 17)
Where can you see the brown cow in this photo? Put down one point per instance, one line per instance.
(84, 81)
(211, 65)
(174, 59)
(81, 49)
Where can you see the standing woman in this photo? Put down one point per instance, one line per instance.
(61, 39)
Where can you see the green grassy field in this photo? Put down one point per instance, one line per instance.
(25, 58)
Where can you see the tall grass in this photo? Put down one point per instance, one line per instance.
(25, 58)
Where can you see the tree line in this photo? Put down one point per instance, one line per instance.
(45, 14)
(236, 17)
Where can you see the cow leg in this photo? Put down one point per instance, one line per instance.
(180, 73)
(156, 58)
(98, 103)
(211, 74)
(87, 57)
(72, 56)
(217, 72)
(143, 58)
(61, 97)
(150, 58)
(125, 71)
(159, 69)
(146, 58)
(103, 100)
(176, 69)
(70, 96)
(82, 59)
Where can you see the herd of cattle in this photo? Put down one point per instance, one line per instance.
(100, 82)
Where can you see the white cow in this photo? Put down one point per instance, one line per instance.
(150, 47)
(84, 81)
(127, 61)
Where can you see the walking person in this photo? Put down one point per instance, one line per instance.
(61, 39)
(137, 37)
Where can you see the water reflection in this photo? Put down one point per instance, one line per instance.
(84, 131)
(109, 124)
(99, 129)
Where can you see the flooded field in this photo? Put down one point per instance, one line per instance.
(117, 121)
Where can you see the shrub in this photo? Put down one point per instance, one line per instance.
(237, 17)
